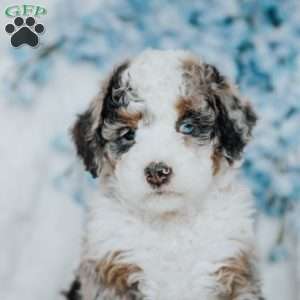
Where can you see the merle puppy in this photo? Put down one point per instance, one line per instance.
(170, 221)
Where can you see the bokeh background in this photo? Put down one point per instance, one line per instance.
(43, 188)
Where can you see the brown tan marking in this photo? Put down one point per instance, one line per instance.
(114, 273)
(130, 118)
(189, 63)
(238, 277)
(234, 274)
(216, 159)
(183, 105)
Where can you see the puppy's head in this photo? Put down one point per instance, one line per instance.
(162, 128)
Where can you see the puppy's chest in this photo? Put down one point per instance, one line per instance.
(180, 264)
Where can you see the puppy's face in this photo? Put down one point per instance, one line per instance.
(163, 126)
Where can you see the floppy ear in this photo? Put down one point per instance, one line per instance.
(234, 119)
(86, 132)
(87, 137)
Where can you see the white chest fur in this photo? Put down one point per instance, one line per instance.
(179, 257)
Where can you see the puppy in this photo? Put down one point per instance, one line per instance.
(171, 221)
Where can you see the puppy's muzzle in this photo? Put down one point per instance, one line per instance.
(157, 174)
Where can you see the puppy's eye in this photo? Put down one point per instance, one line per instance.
(186, 128)
(127, 134)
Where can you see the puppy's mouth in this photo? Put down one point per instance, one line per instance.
(164, 193)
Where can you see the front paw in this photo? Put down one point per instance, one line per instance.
(237, 279)
(113, 277)
(116, 274)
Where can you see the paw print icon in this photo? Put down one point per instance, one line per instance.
(24, 32)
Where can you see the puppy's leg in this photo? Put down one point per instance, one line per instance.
(110, 278)
(238, 279)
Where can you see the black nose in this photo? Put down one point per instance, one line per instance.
(158, 173)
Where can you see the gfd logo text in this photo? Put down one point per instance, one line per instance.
(25, 10)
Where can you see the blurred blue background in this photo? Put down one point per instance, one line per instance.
(44, 189)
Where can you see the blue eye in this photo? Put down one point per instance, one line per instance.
(186, 128)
